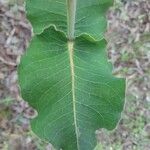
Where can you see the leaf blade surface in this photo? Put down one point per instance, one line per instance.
(90, 16)
(72, 100)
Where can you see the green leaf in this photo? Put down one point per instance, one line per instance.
(90, 16)
(73, 92)
(66, 77)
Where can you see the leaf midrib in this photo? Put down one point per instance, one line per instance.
(71, 15)
(70, 49)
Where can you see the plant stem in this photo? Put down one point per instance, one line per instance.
(71, 18)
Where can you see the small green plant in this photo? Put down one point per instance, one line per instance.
(65, 74)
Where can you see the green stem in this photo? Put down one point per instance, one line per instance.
(71, 18)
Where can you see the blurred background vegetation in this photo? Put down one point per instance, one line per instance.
(129, 50)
